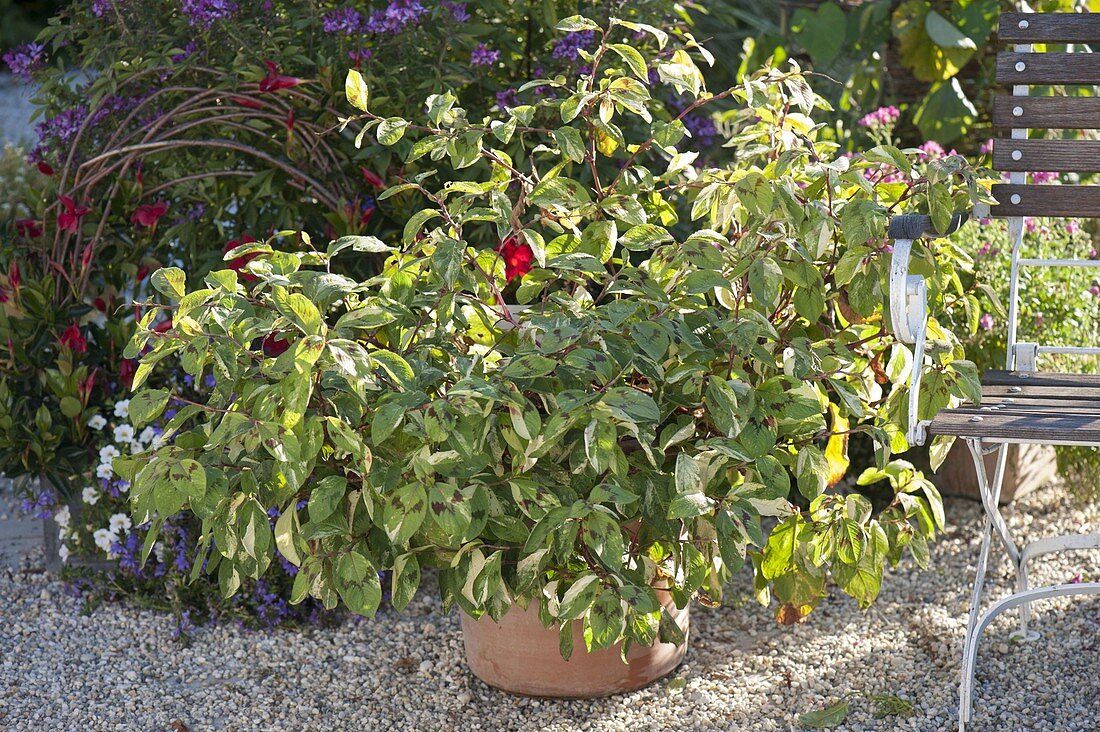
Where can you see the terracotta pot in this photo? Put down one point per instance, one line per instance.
(520, 656)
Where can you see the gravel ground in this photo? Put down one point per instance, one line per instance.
(119, 670)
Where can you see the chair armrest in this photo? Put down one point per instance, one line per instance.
(909, 315)
(909, 303)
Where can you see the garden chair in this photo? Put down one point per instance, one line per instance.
(1020, 404)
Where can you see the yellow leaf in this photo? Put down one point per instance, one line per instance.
(355, 87)
(836, 452)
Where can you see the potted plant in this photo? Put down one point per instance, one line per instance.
(585, 374)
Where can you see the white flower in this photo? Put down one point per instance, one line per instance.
(63, 552)
(124, 433)
(104, 539)
(136, 447)
(122, 409)
(148, 435)
(90, 496)
(158, 551)
(104, 471)
(97, 422)
(119, 522)
(62, 517)
(107, 453)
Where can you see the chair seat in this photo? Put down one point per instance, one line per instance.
(1029, 407)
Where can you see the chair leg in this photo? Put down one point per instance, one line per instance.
(990, 493)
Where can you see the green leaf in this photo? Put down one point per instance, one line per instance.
(391, 130)
(831, 716)
(570, 143)
(605, 621)
(604, 537)
(404, 513)
(405, 580)
(355, 88)
(528, 366)
(447, 260)
(286, 527)
(944, 34)
(298, 309)
(579, 597)
(575, 23)
(385, 421)
(170, 281)
(633, 59)
(722, 408)
(358, 585)
(780, 549)
(147, 405)
(177, 483)
(326, 497)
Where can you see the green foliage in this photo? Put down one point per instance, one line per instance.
(587, 369)
(932, 58)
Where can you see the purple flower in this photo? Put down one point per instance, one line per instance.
(345, 21)
(184, 626)
(986, 322)
(189, 49)
(458, 10)
(507, 99)
(482, 56)
(567, 48)
(363, 54)
(24, 60)
(204, 13)
(397, 16)
(101, 7)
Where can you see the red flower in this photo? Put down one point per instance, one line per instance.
(86, 387)
(69, 219)
(3, 295)
(44, 168)
(86, 257)
(373, 178)
(517, 256)
(147, 214)
(13, 276)
(237, 264)
(126, 371)
(290, 120)
(73, 339)
(100, 304)
(246, 102)
(163, 326)
(274, 81)
(29, 228)
(274, 345)
(143, 272)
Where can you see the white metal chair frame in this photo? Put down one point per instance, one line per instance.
(908, 310)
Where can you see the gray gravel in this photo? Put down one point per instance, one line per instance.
(118, 668)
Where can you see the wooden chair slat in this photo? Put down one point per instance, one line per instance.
(1049, 28)
(1048, 68)
(1085, 407)
(1047, 113)
(1057, 156)
(1026, 428)
(1046, 200)
(1000, 377)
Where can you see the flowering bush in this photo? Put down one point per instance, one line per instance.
(171, 127)
(95, 529)
(586, 370)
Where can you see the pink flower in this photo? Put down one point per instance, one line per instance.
(372, 178)
(881, 117)
(986, 322)
(1073, 226)
(986, 147)
(931, 150)
(1040, 177)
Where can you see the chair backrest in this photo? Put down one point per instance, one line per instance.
(1021, 68)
